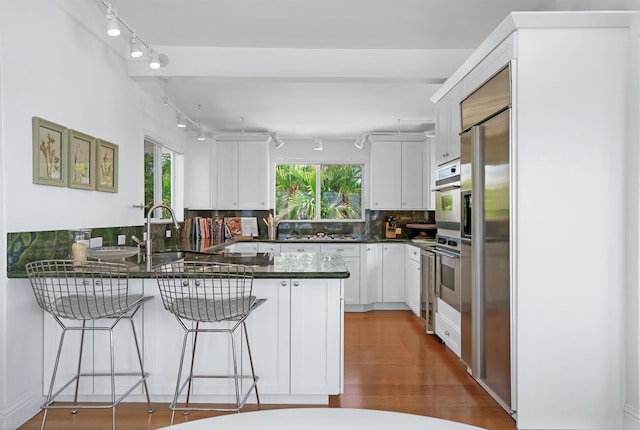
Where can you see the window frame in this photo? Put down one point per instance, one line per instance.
(318, 212)
(177, 200)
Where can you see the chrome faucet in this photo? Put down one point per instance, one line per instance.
(148, 241)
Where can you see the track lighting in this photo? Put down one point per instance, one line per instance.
(278, 143)
(134, 47)
(359, 143)
(113, 29)
(200, 134)
(181, 121)
(318, 144)
(136, 44)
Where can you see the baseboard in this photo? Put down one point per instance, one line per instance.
(19, 411)
(631, 418)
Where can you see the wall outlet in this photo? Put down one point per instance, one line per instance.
(167, 233)
(122, 239)
(95, 242)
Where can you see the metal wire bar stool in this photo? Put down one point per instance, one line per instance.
(207, 293)
(85, 292)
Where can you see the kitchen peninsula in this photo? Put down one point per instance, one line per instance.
(296, 335)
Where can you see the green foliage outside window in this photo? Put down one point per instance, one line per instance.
(338, 188)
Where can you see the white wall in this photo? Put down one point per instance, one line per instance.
(56, 62)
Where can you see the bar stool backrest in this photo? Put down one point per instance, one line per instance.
(80, 291)
(205, 291)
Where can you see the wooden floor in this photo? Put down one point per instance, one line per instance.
(390, 364)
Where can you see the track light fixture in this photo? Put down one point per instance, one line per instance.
(136, 44)
(181, 121)
(359, 143)
(200, 134)
(317, 144)
(278, 143)
(113, 29)
(134, 47)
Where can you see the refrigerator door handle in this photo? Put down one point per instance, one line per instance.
(477, 270)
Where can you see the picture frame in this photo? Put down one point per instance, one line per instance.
(49, 153)
(106, 166)
(82, 160)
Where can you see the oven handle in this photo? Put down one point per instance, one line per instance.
(445, 253)
(447, 187)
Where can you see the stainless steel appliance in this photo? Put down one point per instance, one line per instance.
(447, 191)
(428, 301)
(485, 235)
(448, 286)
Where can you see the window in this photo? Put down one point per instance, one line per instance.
(159, 178)
(337, 188)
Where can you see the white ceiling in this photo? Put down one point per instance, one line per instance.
(331, 68)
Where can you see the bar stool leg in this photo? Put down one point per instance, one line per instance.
(113, 381)
(144, 382)
(75, 396)
(235, 371)
(193, 358)
(53, 377)
(175, 396)
(253, 373)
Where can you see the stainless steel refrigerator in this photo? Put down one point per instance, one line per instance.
(485, 257)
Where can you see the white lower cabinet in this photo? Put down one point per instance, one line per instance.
(371, 290)
(412, 278)
(448, 326)
(393, 272)
(350, 254)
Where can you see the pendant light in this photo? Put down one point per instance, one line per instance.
(200, 131)
(318, 144)
(181, 120)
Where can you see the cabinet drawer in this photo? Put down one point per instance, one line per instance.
(412, 253)
(241, 247)
(448, 333)
(346, 250)
(300, 247)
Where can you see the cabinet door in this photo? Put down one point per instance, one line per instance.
(227, 175)
(350, 254)
(393, 272)
(316, 328)
(300, 247)
(269, 332)
(273, 248)
(412, 181)
(386, 179)
(412, 285)
(429, 175)
(253, 175)
(201, 181)
(448, 126)
(372, 291)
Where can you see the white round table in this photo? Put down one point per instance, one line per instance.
(321, 418)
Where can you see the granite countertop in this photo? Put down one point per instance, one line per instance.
(280, 265)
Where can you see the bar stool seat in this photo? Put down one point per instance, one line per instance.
(83, 292)
(218, 298)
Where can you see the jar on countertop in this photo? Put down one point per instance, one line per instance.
(78, 244)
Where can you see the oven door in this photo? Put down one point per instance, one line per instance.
(448, 278)
(448, 209)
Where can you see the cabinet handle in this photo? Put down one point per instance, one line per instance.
(283, 283)
(446, 332)
(296, 283)
(300, 250)
(339, 250)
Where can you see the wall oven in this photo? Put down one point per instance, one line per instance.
(447, 191)
(448, 283)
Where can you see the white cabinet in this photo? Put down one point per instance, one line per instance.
(399, 174)
(412, 278)
(247, 247)
(316, 336)
(448, 127)
(412, 175)
(448, 326)
(350, 254)
(296, 336)
(393, 272)
(200, 175)
(243, 178)
(300, 247)
(270, 247)
(371, 288)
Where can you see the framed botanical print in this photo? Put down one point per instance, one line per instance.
(106, 166)
(49, 153)
(82, 165)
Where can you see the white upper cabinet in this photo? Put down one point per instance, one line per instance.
(400, 173)
(243, 178)
(200, 176)
(448, 127)
(386, 182)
